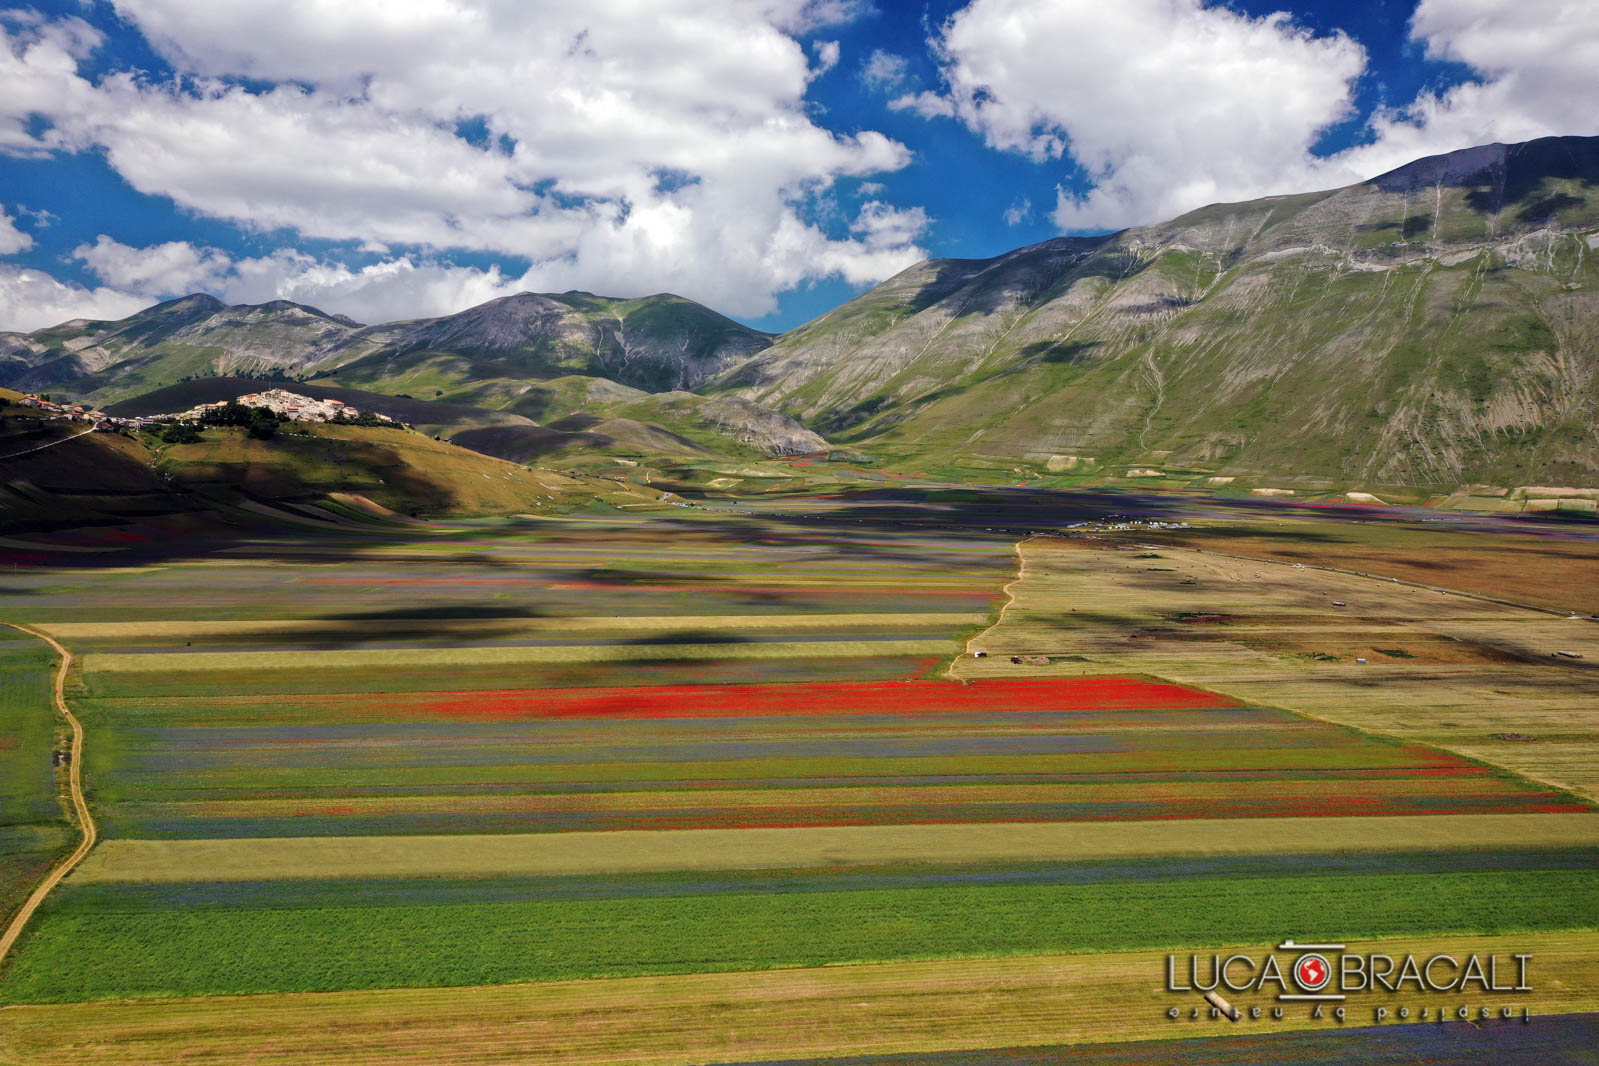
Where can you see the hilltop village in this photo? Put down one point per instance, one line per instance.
(288, 406)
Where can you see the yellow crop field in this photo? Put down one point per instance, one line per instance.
(637, 851)
(314, 660)
(966, 1004)
(287, 628)
(1453, 671)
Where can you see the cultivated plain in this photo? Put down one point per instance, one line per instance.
(730, 785)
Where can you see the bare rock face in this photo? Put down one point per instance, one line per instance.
(760, 427)
(21, 347)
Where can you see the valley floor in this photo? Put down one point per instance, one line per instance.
(687, 786)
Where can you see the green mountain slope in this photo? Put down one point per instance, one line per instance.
(488, 354)
(196, 336)
(1436, 325)
(493, 350)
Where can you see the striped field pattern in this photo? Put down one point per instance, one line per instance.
(619, 747)
(774, 756)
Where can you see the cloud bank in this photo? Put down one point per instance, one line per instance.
(1168, 105)
(623, 146)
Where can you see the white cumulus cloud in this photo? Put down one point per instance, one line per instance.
(827, 53)
(12, 240)
(1168, 105)
(402, 287)
(1537, 66)
(32, 299)
(626, 146)
(884, 71)
(162, 270)
(392, 289)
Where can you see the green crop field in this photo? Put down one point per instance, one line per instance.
(189, 943)
(33, 827)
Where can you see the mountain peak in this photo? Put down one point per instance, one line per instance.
(282, 306)
(195, 301)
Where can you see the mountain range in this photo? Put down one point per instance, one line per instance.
(1436, 325)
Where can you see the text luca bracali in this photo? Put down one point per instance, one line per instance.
(1321, 978)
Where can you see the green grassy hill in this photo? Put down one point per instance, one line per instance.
(1434, 326)
(308, 472)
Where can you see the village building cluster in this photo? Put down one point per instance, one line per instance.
(285, 404)
(77, 412)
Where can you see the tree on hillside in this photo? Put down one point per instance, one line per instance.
(180, 433)
(232, 413)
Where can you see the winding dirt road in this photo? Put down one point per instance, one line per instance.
(75, 784)
(40, 448)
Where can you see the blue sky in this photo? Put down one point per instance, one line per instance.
(401, 159)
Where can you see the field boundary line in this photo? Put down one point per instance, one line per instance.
(80, 805)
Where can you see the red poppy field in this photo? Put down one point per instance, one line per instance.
(746, 756)
(885, 698)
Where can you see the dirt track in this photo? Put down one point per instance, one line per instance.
(42, 447)
(75, 784)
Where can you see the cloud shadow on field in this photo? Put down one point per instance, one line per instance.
(1060, 353)
(623, 577)
(442, 611)
(690, 636)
